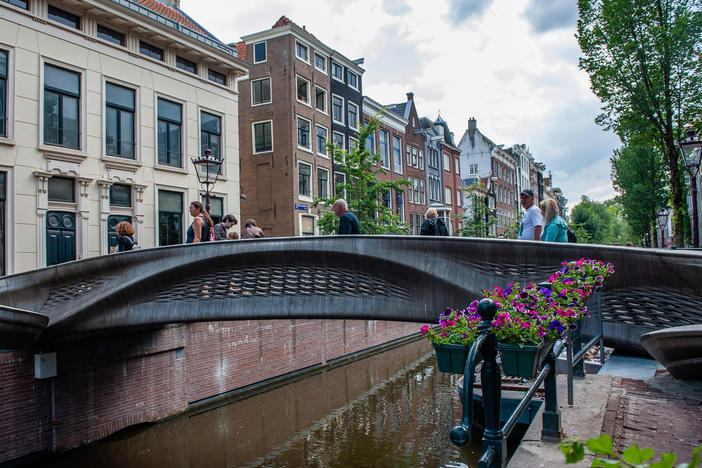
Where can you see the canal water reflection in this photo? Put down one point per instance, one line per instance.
(392, 409)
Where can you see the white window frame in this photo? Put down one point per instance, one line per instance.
(385, 164)
(343, 195)
(343, 137)
(325, 153)
(358, 117)
(9, 139)
(331, 71)
(253, 51)
(307, 48)
(326, 61)
(309, 122)
(473, 169)
(326, 100)
(392, 151)
(315, 218)
(253, 137)
(309, 90)
(410, 191)
(319, 168)
(447, 195)
(340, 122)
(270, 88)
(358, 79)
(457, 166)
(301, 196)
(447, 162)
(355, 145)
(458, 198)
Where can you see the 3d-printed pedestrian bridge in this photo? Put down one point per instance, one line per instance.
(400, 278)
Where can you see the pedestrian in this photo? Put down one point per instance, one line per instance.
(199, 230)
(251, 231)
(530, 229)
(348, 222)
(220, 229)
(125, 241)
(433, 225)
(555, 227)
(233, 235)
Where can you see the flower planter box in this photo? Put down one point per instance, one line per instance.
(524, 361)
(451, 357)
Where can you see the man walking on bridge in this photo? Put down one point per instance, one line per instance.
(530, 228)
(348, 222)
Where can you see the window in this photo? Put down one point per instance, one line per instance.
(150, 50)
(303, 133)
(422, 192)
(306, 225)
(3, 217)
(261, 91)
(260, 53)
(458, 198)
(303, 90)
(170, 217)
(421, 160)
(370, 142)
(320, 99)
(400, 205)
(322, 183)
(263, 136)
(337, 71)
(353, 114)
(408, 151)
(447, 162)
(119, 121)
(416, 191)
(169, 133)
(64, 17)
(414, 157)
(447, 195)
(338, 109)
(387, 202)
(121, 195)
(397, 153)
(304, 174)
(185, 64)
(353, 79)
(62, 189)
(216, 207)
(473, 169)
(338, 139)
(384, 149)
(211, 134)
(353, 144)
(302, 52)
(61, 107)
(410, 196)
(339, 182)
(456, 166)
(322, 140)
(103, 32)
(20, 3)
(3, 95)
(320, 62)
(411, 226)
(215, 76)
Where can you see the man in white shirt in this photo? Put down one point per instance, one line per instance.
(530, 228)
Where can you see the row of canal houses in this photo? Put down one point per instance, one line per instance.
(102, 103)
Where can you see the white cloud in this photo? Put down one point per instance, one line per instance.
(511, 64)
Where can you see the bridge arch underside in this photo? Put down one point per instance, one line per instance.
(401, 278)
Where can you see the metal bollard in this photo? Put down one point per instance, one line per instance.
(551, 418)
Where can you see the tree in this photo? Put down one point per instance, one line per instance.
(599, 222)
(363, 190)
(643, 62)
(638, 176)
(478, 220)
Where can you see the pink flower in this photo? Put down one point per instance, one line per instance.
(424, 329)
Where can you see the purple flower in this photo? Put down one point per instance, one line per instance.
(556, 325)
(545, 291)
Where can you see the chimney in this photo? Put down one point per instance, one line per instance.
(410, 96)
(171, 3)
(472, 124)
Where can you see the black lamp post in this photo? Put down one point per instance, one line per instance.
(662, 218)
(208, 169)
(691, 150)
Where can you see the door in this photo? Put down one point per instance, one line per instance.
(60, 237)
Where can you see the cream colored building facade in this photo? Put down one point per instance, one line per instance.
(150, 88)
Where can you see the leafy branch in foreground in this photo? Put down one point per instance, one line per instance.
(634, 457)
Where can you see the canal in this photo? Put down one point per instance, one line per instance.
(391, 409)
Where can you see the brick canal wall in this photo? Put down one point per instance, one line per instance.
(104, 385)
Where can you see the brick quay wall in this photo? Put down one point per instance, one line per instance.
(107, 384)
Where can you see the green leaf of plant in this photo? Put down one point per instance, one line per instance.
(636, 455)
(573, 449)
(667, 461)
(605, 463)
(695, 463)
(601, 446)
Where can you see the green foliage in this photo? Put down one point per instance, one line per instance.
(512, 231)
(599, 222)
(642, 58)
(574, 451)
(363, 189)
(479, 221)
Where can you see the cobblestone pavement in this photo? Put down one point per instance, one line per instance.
(663, 414)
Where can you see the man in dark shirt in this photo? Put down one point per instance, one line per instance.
(348, 222)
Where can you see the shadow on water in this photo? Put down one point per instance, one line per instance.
(392, 409)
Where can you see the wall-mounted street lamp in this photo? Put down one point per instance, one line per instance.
(662, 219)
(208, 169)
(691, 150)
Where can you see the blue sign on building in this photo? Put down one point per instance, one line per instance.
(300, 207)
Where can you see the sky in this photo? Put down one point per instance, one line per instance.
(511, 64)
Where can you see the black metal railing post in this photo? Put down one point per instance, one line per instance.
(576, 337)
(552, 416)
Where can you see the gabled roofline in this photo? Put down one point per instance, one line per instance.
(387, 116)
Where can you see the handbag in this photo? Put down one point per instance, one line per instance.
(212, 235)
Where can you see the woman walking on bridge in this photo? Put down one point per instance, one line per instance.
(199, 230)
